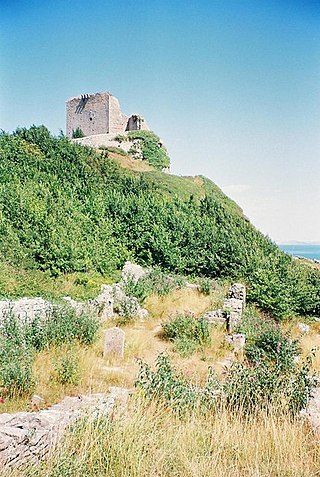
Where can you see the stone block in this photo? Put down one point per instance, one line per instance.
(215, 317)
(114, 339)
(238, 291)
(132, 271)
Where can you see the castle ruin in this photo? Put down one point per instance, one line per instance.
(99, 113)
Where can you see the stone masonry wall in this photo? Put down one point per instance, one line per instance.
(98, 113)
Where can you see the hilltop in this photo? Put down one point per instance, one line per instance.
(70, 211)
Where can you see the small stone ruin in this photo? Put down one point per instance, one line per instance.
(232, 310)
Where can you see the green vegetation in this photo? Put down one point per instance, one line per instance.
(152, 149)
(117, 150)
(21, 341)
(187, 332)
(269, 377)
(77, 133)
(155, 282)
(67, 369)
(66, 209)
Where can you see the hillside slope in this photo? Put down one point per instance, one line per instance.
(65, 208)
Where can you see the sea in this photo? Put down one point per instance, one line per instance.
(302, 250)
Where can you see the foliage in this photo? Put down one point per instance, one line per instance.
(155, 282)
(205, 285)
(67, 369)
(117, 150)
(187, 332)
(66, 209)
(153, 150)
(19, 341)
(77, 133)
(269, 377)
(167, 385)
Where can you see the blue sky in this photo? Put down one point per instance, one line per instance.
(231, 86)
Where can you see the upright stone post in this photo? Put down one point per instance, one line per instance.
(114, 343)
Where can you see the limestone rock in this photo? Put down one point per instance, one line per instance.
(26, 309)
(28, 437)
(238, 341)
(36, 400)
(78, 306)
(238, 291)
(312, 411)
(103, 303)
(133, 272)
(303, 328)
(114, 339)
(214, 317)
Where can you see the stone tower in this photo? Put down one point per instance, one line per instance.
(99, 113)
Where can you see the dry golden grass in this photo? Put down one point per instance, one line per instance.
(132, 164)
(143, 341)
(181, 300)
(150, 441)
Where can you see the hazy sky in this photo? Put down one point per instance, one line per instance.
(231, 86)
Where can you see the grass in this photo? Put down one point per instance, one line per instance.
(147, 439)
(17, 282)
(131, 164)
(150, 441)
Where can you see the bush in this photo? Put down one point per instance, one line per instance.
(111, 214)
(16, 377)
(168, 386)
(77, 133)
(19, 341)
(264, 385)
(152, 149)
(205, 286)
(67, 369)
(155, 282)
(187, 332)
(268, 378)
(64, 326)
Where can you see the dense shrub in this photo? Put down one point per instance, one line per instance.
(67, 369)
(187, 332)
(153, 150)
(77, 133)
(65, 208)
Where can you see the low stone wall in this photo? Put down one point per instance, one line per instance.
(28, 437)
(25, 309)
(105, 305)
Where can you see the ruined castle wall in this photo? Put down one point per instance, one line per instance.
(90, 113)
(100, 113)
(117, 120)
